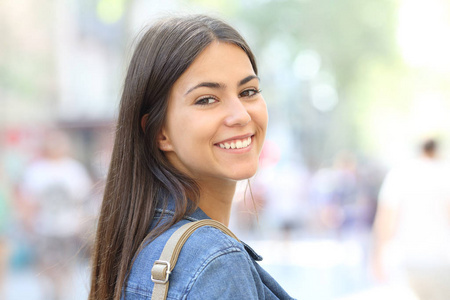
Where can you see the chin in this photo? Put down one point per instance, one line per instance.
(244, 175)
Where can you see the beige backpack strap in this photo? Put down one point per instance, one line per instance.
(169, 256)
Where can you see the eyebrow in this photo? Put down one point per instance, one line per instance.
(216, 85)
(247, 79)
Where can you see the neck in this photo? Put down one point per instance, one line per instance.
(430, 155)
(216, 200)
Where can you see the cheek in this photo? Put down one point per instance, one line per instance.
(260, 115)
(190, 130)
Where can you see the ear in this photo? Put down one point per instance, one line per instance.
(144, 121)
(164, 142)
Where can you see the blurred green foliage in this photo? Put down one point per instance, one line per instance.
(356, 41)
(352, 43)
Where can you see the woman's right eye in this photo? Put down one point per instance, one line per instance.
(206, 101)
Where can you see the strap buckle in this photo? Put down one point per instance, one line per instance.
(158, 268)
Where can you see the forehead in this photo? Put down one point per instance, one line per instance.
(218, 62)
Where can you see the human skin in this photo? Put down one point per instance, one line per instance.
(215, 125)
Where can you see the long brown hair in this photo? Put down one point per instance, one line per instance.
(139, 175)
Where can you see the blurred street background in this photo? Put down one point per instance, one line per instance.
(353, 88)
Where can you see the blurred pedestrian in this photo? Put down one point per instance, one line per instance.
(52, 192)
(285, 191)
(5, 213)
(333, 190)
(413, 224)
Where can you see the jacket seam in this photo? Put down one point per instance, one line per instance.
(209, 260)
(135, 289)
(172, 213)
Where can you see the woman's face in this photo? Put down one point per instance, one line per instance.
(216, 119)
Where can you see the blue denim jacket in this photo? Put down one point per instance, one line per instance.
(211, 265)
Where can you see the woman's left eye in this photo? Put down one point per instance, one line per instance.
(249, 93)
(205, 101)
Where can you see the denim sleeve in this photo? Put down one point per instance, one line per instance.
(226, 275)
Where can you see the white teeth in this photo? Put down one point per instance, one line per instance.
(238, 144)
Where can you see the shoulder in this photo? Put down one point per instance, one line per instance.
(208, 250)
(209, 240)
(222, 269)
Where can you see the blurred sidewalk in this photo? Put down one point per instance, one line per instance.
(24, 283)
(315, 270)
(324, 270)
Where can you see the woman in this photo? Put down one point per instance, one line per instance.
(192, 123)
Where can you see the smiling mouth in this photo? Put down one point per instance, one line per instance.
(236, 144)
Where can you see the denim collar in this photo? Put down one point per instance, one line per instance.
(197, 215)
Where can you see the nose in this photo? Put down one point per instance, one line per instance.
(237, 113)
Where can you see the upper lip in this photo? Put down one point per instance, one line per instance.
(238, 137)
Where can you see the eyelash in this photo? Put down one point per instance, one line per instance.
(202, 100)
(254, 92)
